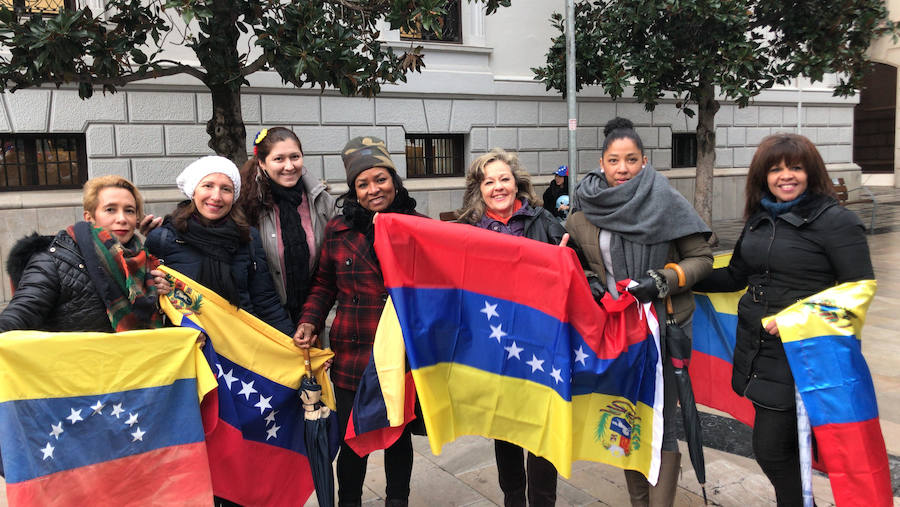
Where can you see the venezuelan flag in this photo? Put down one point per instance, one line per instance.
(505, 341)
(257, 453)
(821, 336)
(715, 334)
(103, 419)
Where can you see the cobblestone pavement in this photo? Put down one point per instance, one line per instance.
(464, 474)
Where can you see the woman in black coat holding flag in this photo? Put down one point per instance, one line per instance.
(499, 197)
(797, 241)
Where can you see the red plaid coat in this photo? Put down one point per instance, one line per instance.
(348, 273)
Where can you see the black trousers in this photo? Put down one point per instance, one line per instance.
(512, 472)
(351, 468)
(777, 450)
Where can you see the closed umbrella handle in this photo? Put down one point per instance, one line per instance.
(306, 363)
(682, 280)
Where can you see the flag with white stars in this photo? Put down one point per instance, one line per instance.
(505, 341)
(257, 453)
(104, 418)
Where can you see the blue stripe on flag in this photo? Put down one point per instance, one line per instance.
(43, 436)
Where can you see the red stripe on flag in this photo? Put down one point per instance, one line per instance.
(176, 475)
(711, 380)
(383, 438)
(855, 458)
(242, 470)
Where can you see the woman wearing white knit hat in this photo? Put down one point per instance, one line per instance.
(208, 240)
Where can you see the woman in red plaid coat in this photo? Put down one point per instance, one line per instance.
(349, 273)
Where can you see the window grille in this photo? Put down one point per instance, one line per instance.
(432, 155)
(42, 161)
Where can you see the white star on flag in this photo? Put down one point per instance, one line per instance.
(229, 378)
(132, 419)
(117, 409)
(513, 351)
(535, 363)
(580, 356)
(556, 375)
(138, 435)
(271, 432)
(75, 416)
(97, 407)
(219, 375)
(490, 310)
(270, 419)
(247, 389)
(56, 430)
(497, 332)
(263, 404)
(48, 451)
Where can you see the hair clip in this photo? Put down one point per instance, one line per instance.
(260, 136)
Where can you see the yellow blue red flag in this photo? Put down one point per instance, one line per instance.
(822, 341)
(505, 341)
(257, 453)
(104, 418)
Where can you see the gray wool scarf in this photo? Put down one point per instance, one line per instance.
(643, 216)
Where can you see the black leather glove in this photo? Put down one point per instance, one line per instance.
(646, 290)
(597, 288)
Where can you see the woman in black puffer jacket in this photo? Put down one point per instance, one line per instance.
(63, 284)
(797, 242)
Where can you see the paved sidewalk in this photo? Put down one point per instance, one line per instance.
(465, 474)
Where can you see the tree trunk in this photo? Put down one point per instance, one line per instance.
(220, 57)
(227, 135)
(707, 107)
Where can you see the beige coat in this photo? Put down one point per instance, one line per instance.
(691, 252)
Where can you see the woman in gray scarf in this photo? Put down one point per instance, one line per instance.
(631, 223)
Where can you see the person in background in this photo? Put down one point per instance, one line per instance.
(632, 224)
(499, 197)
(92, 276)
(558, 187)
(290, 207)
(350, 275)
(208, 240)
(797, 241)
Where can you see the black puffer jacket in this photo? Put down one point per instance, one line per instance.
(248, 266)
(54, 291)
(815, 246)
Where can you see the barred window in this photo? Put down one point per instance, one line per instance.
(432, 155)
(42, 161)
(42, 7)
(449, 28)
(684, 150)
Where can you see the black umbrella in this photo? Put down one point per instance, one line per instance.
(315, 433)
(679, 347)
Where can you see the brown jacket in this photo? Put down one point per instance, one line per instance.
(691, 252)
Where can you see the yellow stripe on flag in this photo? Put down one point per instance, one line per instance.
(724, 302)
(389, 353)
(840, 310)
(250, 342)
(95, 363)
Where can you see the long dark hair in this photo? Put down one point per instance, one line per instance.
(256, 193)
(185, 209)
(794, 150)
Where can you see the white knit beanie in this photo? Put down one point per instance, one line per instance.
(190, 177)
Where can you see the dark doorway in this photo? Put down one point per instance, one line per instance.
(873, 120)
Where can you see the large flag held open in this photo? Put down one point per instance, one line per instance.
(257, 453)
(104, 418)
(505, 341)
(822, 341)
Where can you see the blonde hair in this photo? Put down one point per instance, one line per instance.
(473, 203)
(91, 195)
